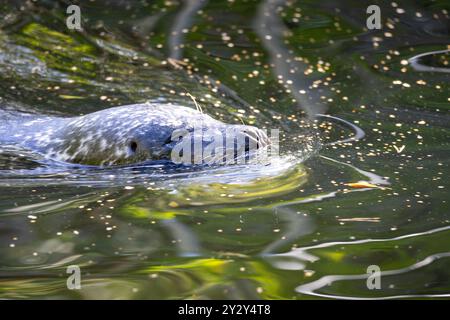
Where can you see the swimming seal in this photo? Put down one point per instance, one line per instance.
(121, 135)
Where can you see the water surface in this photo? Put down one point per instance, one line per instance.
(367, 186)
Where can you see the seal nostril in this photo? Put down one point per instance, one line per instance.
(133, 146)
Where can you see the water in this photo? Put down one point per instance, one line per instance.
(367, 186)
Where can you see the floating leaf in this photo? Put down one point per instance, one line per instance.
(361, 184)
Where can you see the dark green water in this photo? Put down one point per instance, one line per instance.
(293, 230)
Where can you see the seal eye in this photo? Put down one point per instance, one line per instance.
(133, 146)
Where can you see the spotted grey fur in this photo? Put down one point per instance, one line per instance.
(121, 135)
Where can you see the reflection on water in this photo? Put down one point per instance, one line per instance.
(435, 61)
(361, 179)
